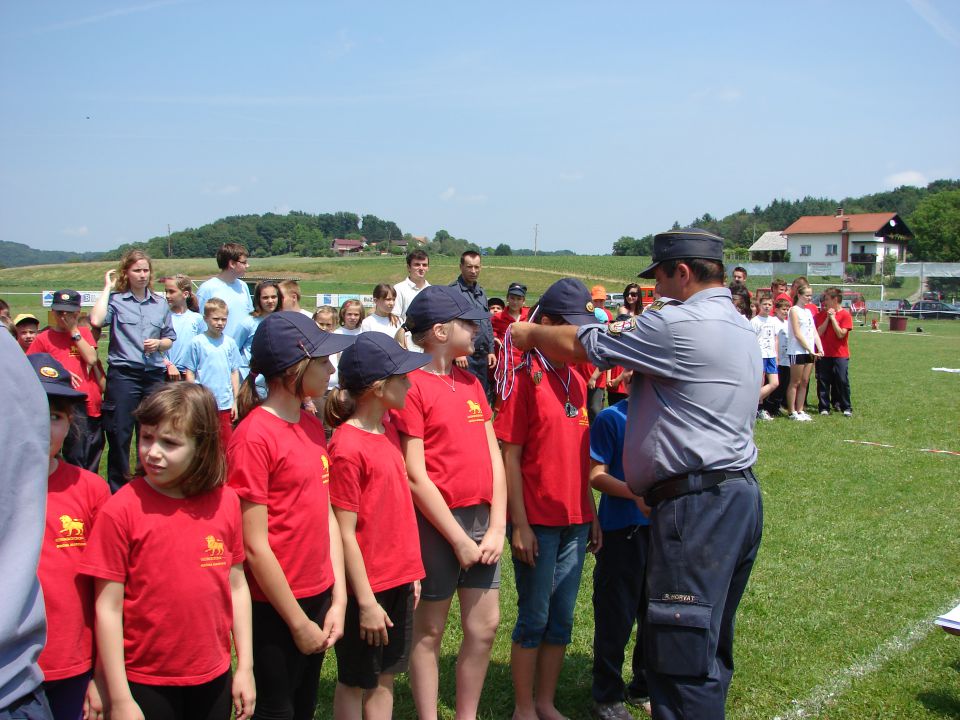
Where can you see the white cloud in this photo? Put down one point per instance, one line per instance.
(907, 177)
(215, 189)
(448, 194)
(81, 231)
(930, 15)
(109, 14)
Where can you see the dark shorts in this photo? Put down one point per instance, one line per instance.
(359, 664)
(801, 359)
(444, 574)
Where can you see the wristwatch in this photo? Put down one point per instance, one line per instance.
(76, 337)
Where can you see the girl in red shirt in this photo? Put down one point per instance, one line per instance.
(74, 497)
(167, 558)
(372, 502)
(456, 476)
(279, 467)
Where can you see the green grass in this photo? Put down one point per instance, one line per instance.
(860, 542)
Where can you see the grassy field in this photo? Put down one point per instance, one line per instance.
(860, 542)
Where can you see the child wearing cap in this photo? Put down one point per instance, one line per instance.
(75, 348)
(456, 477)
(374, 508)
(26, 326)
(514, 311)
(543, 428)
(278, 465)
(74, 498)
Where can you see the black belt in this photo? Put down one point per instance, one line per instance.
(692, 482)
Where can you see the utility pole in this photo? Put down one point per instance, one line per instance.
(169, 245)
(536, 232)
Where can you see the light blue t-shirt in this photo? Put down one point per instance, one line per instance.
(187, 325)
(237, 297)
(244, 337)
(212, 361)
(606, 446)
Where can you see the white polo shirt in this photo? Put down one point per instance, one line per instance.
(406, 292)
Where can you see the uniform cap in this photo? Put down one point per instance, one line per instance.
(684, 243)
(286, 337)
(66, 300)
(439, 304)
(517, 289)
(54, 377)
(376, 356)
(570, 299)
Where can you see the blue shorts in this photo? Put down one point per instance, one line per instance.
(770, 366)
(547, 592)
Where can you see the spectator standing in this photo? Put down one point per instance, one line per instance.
(27, 327)
(803, 346)
(232, 259)
(187, 322)
(382, 318)
(141, 331)
(418, 263)
(290, 290)
(764, 325)
(514, 312)
(468, 284)
(74, 348)
(632, 303)
(834, 324)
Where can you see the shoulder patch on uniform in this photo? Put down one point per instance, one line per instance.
(622, 326)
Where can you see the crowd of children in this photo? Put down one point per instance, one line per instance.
(247, 528)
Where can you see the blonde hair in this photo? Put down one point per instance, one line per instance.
(127, 260)
(214, 303)
(351, 303)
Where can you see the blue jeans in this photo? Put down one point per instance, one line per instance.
(547, 592)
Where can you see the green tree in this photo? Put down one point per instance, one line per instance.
(936, 227)
(503, 249)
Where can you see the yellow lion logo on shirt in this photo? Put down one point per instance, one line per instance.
(71, 526)
(473, 407)
(214, 546)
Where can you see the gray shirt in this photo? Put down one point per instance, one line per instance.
(483, 345)
(25, 429)
(131, 322)
(695, 388)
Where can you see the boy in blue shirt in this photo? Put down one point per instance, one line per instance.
(213, 360)
(618, 578)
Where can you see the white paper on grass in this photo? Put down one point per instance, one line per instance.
(950, 620)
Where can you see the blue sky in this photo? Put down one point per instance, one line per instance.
(592, 120)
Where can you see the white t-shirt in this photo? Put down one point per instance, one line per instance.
(335, 359)
(766, 335)
(406, 292)
(376, 323)
(807, 328)
(783, 358)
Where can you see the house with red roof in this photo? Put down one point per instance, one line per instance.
(863, 239)
(344, 246)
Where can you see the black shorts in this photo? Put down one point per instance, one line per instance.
(801, 359)
(360, 664)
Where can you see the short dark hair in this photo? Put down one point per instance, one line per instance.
(741, 269)
(228, 252)
(702, 269)
(834, 292)
(468, 253)
(416, 255)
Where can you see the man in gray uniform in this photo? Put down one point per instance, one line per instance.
(689, 452)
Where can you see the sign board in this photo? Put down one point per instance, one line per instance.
(88, 298)
(338, 299)
(824, 269)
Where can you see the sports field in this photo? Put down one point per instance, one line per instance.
(860, 542)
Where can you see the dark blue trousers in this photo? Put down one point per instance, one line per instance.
(702, 549)
(126, 387)
(618, 604)
(477, 365)
(833, 383)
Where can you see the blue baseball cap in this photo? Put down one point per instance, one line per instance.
(570, 299)
(285, 338)
(684, 243)
(54, 377)
(376, 356)
(439, 304)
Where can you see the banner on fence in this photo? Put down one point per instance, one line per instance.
(338, 299)
(88, 298)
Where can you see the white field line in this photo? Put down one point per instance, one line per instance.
(825, 694)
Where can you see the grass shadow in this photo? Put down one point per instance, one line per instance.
(944, 703)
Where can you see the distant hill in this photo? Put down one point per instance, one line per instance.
(14, 254)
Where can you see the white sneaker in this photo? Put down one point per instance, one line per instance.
(796, 416)
(847, 413)
(824, 412)
(804, 417)
(764, 415)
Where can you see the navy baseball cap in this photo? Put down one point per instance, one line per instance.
(66, 300)
(570, 299)
(376, 356)
(517, 289)
(54, 377)
(439, 304)
(684, 243)
(285, 338)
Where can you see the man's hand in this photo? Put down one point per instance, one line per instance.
(491, 360)
(520, 333)
(461, 362)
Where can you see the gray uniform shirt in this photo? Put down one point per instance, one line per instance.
(483, 344)
(695, 388)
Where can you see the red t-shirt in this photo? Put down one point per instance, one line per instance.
(285, 466)
(62, 348)
(500, 324)
(586, 372)
(173, 556)
(452, 424)
(834, 347)
(368, 476)
(74, 497)
(813, 308)
(556, 449)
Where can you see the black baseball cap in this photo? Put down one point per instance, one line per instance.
(517, 289)
(376, 356)
(495, 301)
(684, 243)
(440, 304)
(286, 337)
(570, 299)
(66, 300)
(54, 376)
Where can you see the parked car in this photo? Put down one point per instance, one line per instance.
(933, 295)
(933, 310)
